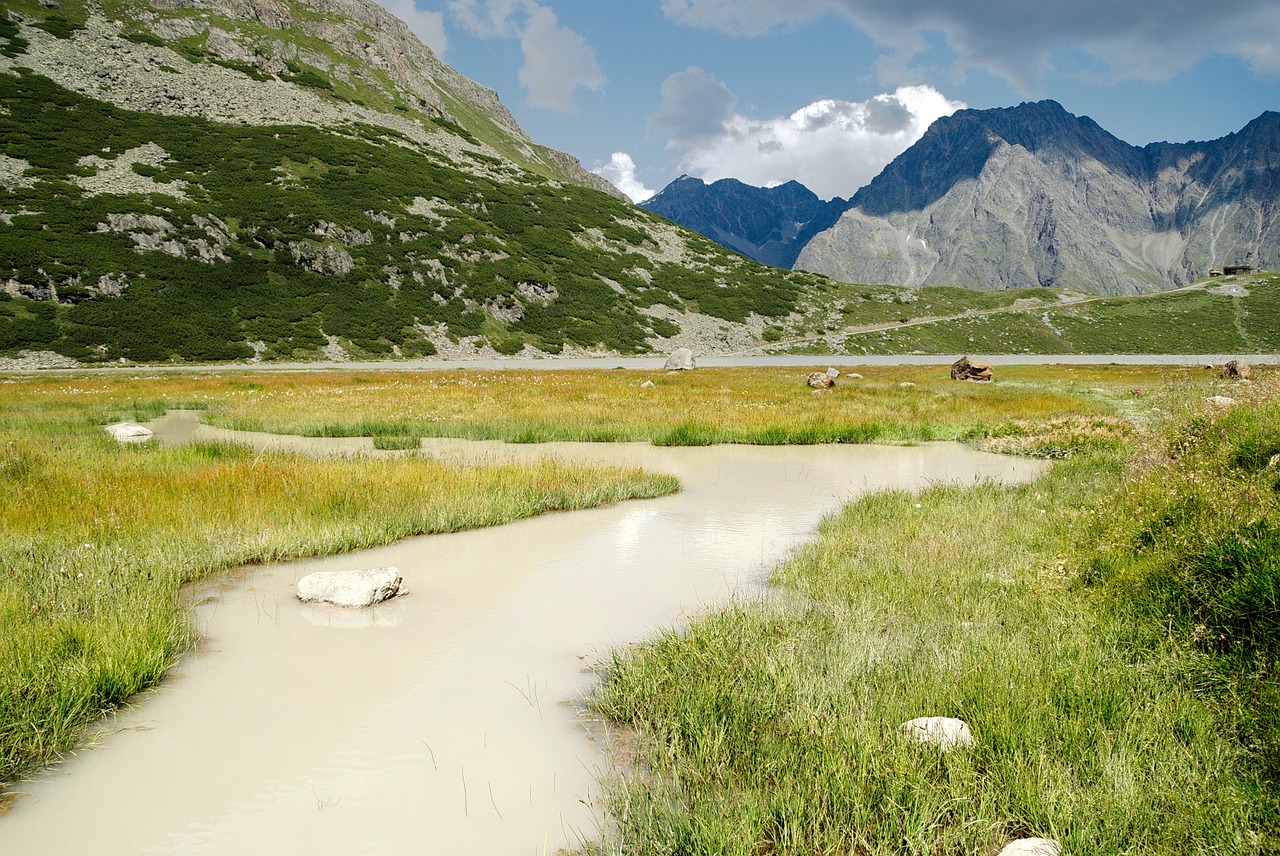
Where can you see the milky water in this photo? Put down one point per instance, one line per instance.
(448, 721)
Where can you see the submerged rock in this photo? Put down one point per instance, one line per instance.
(351, 589)
(681, 359)
(942, 731)
(1032, 847)
(129, 432)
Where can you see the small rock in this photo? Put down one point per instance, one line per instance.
(821, 380)
(1221, 400)
(1032, 847)
(681, 359)
(906, 384)
(821, 392)
(833, 373)
(854, 376)
(1236, 369)
(647, 385)
(129, 432)
(351, 589)
(942, 731)
(978, 371)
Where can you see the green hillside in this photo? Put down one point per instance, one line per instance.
(308, 234)
(1239, 314)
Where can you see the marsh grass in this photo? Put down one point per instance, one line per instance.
(768, 730)
(98, 539)
(1110, 633)
(766, 406)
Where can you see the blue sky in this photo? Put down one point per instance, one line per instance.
(829, 91)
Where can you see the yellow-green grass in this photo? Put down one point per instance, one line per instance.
(732, 405)
(1109, 632)
(98, 539)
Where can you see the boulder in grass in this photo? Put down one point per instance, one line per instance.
(833, 373)
(942, 731)
(1236, 369)
(681, 359)
(129, 432)
(821, 380)
(351, 589)
(1032, 847)
(979, 371)
(1221, 401)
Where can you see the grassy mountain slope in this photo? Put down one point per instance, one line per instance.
(158, 234)
(1239, 314)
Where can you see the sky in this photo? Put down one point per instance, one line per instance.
(828, 92)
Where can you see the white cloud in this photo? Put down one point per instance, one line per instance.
(832, 147)
(695, 107)
(1148, 39)
(427, 26)
(490, 19)
(557, 60)
(621, 172)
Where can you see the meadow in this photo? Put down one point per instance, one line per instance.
(1109, 631)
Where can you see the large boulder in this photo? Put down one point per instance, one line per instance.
(975, 370)
(350, 589)
(129, 432)
(681, 359)
(1236, 369)
(821, 380)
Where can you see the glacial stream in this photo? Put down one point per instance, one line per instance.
(448, 721)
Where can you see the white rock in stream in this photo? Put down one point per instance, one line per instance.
(942, 731)
(1032, 847)
(129, 432)
(353, 589)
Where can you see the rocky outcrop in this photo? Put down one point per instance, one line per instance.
(1034, 196)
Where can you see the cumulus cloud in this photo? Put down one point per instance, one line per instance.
(832, 147)
(695, 107)
(1151, 39)
(427, 26)
(557, 60)
(621, 172)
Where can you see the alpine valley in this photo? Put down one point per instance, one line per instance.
(304, 180)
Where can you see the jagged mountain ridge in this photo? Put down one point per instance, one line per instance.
(1032, 195)
(768, 224)
(298, 179)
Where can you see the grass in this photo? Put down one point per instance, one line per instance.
(757, 405)
(97, 541)
(1109, 632)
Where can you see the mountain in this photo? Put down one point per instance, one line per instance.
(768, 224)
(1034, 196)
(301, 179)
